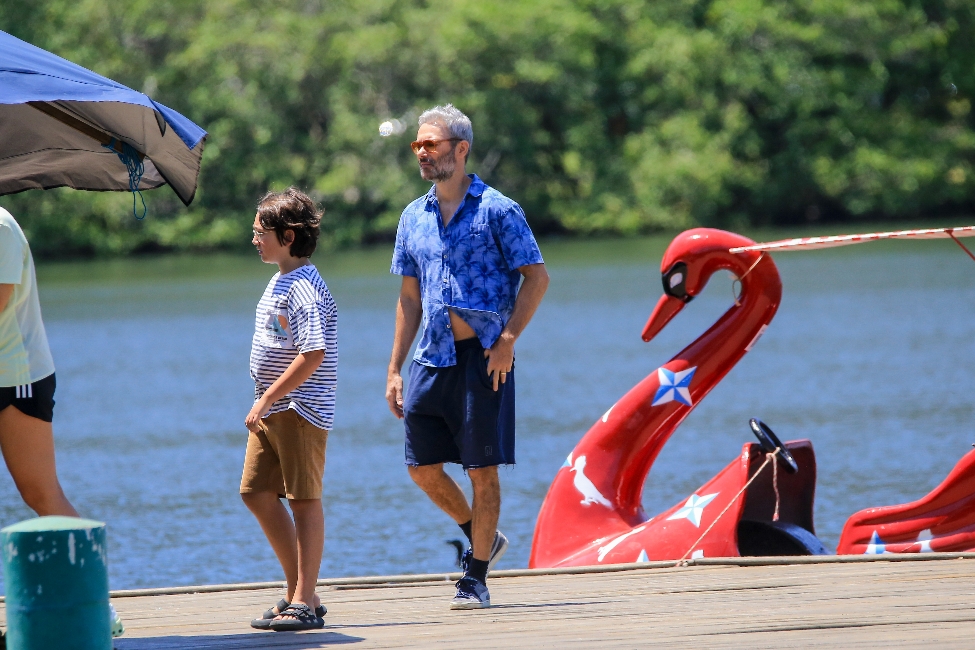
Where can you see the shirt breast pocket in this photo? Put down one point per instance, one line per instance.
(485, 243)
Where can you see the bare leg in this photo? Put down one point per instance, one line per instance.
(443, 491)
(310, 526)
(27, 444)
(487, 509)
(279, 530)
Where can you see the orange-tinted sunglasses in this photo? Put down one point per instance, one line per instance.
(430, 145)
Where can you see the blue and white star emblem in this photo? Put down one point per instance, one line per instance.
(694, 508)
(674, 386)
(876, 545)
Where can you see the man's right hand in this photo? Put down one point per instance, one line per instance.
(394, 393)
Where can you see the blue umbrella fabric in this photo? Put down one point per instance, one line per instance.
(62, 125)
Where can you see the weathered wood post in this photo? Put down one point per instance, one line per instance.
(55, 572)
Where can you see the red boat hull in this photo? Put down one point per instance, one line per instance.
(672, 534)
(944, 520)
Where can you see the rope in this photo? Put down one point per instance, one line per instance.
(963, 247)
(768, 458)
(134, 165)
(775, 483)
(735, 295)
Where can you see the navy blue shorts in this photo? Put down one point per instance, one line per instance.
(454, 415)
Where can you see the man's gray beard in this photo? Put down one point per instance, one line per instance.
(441, 171)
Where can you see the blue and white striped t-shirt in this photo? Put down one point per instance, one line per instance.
(296, 314)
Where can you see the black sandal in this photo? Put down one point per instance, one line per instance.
(301, 617)
(264, 623)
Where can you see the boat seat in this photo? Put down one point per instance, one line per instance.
(765, 538)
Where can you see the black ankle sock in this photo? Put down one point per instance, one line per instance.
(467, 530)
(478, 569)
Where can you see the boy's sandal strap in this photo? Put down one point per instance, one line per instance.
(281, 606)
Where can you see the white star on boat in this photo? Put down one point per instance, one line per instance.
(674, 386)
(693, 509)
(924, 540)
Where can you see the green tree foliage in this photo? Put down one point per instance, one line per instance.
(616, 116)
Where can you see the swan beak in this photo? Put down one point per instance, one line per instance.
(667, 307)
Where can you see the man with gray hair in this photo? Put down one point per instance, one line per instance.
(462, 249)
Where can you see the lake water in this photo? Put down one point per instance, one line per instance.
(871, 356)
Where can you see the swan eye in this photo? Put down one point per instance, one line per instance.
(674, 281)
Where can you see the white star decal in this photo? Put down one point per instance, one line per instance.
(693, 509)
(924, 540)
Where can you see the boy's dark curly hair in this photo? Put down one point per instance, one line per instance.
(291, 210)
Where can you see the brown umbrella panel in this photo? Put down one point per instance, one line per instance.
(77, 144)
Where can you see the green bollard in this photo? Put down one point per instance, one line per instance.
(56, 576)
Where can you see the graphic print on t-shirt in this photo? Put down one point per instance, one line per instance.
(277, 329)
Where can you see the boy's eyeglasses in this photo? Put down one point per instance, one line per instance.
(259, 234)
(430, 145)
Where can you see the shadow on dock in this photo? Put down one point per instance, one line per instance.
(288, 640)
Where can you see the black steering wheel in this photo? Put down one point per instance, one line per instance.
(770, 442)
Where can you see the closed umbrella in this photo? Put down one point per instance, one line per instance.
(62, 125)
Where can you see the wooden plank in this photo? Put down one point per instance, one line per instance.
(868, 605)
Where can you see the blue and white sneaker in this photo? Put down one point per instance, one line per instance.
(471, 594)
(498, 548)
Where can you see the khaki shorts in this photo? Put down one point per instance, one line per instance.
(289, 459)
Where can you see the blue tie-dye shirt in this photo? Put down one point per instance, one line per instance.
(471, 266)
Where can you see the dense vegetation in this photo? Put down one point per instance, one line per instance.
(618, 116)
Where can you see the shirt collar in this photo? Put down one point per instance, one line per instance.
(476, 189)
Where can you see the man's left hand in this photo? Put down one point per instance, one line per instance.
(501, 356)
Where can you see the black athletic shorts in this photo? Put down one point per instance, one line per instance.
(35, 400)
(454, 415)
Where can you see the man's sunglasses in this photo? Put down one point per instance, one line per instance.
(430, 145)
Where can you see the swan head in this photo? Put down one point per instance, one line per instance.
(579, 465)
(687, 265)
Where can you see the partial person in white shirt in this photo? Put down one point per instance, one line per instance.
(27, 380)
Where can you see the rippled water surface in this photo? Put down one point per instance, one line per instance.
(871, 356)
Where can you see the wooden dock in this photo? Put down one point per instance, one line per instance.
(837, 602)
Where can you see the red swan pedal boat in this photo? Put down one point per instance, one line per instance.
(759, 504)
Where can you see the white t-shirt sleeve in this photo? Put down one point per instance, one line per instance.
(11, 256)
(308, 324)
(308, 317)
